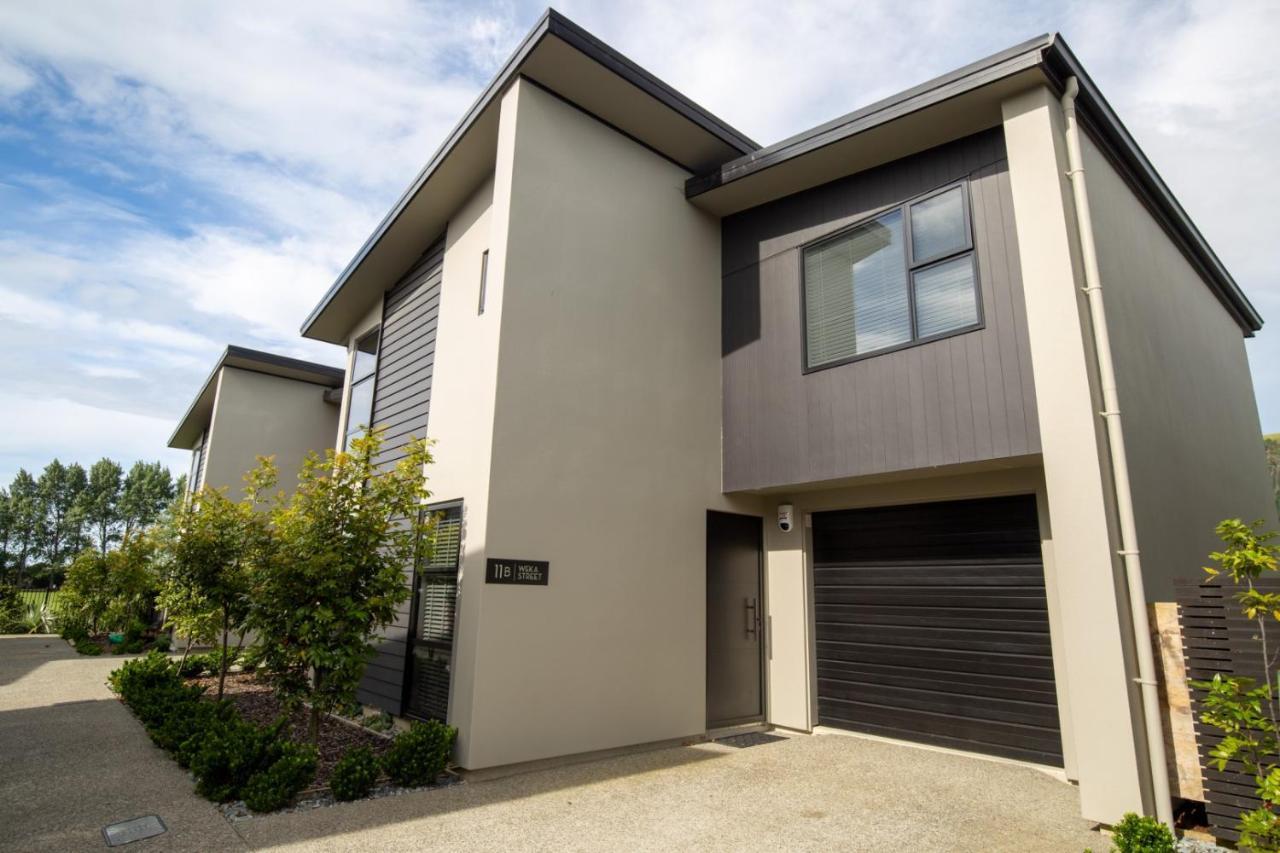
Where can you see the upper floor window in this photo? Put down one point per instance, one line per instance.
(360, 397)
(197, 466)
(904, 277)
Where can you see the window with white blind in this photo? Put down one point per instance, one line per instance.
(904, 277)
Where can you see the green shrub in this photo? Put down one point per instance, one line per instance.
(378, 722)
(162, 643)
(147, 673)
(208, 663)
(418, 756)
(183, 724)
(72, 629)
(194, 666)
(250, 658)
(279, 785)
(231, 753)
(12, 610)
(85, 646)
(1134, 834)
(355, 774)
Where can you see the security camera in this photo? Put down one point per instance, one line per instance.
(785, 514)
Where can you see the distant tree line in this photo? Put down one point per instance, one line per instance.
(45, 521)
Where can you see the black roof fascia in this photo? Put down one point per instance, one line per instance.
(994, 67)
(551, 23)
(1054, 58)
(330, 377)
(1116, 142)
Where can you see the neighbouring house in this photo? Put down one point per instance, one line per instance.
(812, 435)
(258, 404)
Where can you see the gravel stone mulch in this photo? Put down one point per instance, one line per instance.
(257, 703)
(238, 811)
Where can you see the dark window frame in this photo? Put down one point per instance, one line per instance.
(484, 280)
(371, 378)
(910, 267)
(406, 687)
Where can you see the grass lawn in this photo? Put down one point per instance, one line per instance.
(36, 596)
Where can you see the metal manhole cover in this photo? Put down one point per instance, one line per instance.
(135, 829)
(752, 739)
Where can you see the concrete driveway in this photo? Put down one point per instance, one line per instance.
(73, 759)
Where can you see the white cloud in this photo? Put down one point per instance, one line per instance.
(13, 77)
(75, 432)
(61, 319)
(107, 371)
(285, 131)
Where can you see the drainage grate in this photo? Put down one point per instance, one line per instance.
(752, 739)
(135, 829)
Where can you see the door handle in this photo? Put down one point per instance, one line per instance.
(753, 618)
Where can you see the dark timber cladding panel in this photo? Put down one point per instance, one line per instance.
(932, 626)
(401, 401)
(960, 399)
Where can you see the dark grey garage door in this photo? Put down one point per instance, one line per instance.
(932, 626)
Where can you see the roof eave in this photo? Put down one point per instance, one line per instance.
(252, 359)
(555, 24)
(1051, 56)
(1123, 151)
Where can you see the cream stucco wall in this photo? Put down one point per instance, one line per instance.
(461, 422)
(256, 414)
(606, 445)
(1096, 652)
(1189, 414)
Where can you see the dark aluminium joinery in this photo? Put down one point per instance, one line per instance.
(903, 277)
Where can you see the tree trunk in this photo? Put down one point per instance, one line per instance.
(186, 651)
(222, 664)
(315, 708)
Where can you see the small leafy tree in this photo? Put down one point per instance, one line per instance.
(1243, 709)
(131, 581)
(215, 542)
(86, 592)
(112, 590)
(343, 543)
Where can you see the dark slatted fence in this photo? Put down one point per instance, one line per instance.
(1216, 638)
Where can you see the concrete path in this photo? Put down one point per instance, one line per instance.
(72, 759)
(821, 793)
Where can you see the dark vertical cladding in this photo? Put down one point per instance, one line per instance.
(401, 402)
(961, 399)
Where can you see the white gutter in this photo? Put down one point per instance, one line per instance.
(1119, 467)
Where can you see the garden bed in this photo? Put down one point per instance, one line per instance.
(256, 702)
(249, 753)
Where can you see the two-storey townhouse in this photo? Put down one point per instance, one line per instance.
(822, 435)
(257, 404)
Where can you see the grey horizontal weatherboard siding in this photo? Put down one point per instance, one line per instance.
(401, 402)
(965, 398)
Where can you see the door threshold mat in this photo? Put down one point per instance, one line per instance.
(135, 829)
(749, 739)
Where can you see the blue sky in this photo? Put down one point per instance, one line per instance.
(175, 177)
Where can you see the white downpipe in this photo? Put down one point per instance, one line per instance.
(1119, 465)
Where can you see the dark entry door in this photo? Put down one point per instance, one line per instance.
(932, 626)
(734, 620)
